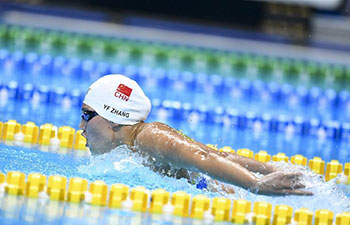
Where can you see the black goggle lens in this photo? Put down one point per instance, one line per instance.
(88, 115)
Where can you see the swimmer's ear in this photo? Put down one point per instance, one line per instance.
(115, 126)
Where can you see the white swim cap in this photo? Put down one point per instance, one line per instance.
(119, 99)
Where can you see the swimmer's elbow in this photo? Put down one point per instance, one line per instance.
(203, 155)
(203, 160)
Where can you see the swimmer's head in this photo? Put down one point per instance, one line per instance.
(118, 99)
(110, 103)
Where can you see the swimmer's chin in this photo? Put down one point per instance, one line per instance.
(94, 153)
(91, 149)
(98, 151)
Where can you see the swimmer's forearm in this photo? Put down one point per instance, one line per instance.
(252, 165)
(229, 172)
(248, 163)
(238, 177)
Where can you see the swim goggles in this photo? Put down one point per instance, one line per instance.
(88, 115)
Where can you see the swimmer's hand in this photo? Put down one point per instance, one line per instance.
(225, 188)
(281, 183)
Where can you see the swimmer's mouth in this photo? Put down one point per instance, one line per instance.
(83, 134)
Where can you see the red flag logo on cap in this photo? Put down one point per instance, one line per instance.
(124, 89)
(123, 92)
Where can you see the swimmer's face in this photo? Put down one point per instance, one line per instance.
(97, 131)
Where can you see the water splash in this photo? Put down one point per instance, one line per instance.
(326, 195)
(123, 166)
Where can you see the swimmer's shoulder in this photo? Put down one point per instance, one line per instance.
(149, 129)
(155, 132)
(154, 138)
(159, 126)
(146, 127)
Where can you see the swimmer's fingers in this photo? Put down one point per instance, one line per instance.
(292, 181)
(293, 175)
(228, 190)
(287, 192)
(297, 186)
(281, 183)
(291, 185)
(224, 187)
(296, 192)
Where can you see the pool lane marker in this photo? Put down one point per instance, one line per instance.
(343, 218)
(262, 213)
(35, 184)
(333, 169)
(200, 205)
(76, 190)
(15, 183)
(317, 165)
(11, 127)
(262, 156)
(241, 208)
(221, 208)
(56, 188)
(30, 134)
(283, 214)
(65, 137)
(323, 216)
(159, 198)
(158, 201)
(303, 216)
(1, 127)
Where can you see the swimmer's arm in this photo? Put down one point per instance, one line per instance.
(221, 187)
(248, 163)
(252, 164)
(165, 143)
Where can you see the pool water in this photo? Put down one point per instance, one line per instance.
(240, 110)
(253, 136)
(123, 166)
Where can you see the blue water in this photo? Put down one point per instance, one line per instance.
(211, 90)
(210, 108)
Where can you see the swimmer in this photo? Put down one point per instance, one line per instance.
(113, 114)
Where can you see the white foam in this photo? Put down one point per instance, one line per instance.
(121, 165)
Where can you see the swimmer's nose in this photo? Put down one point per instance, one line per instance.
(82, 124)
